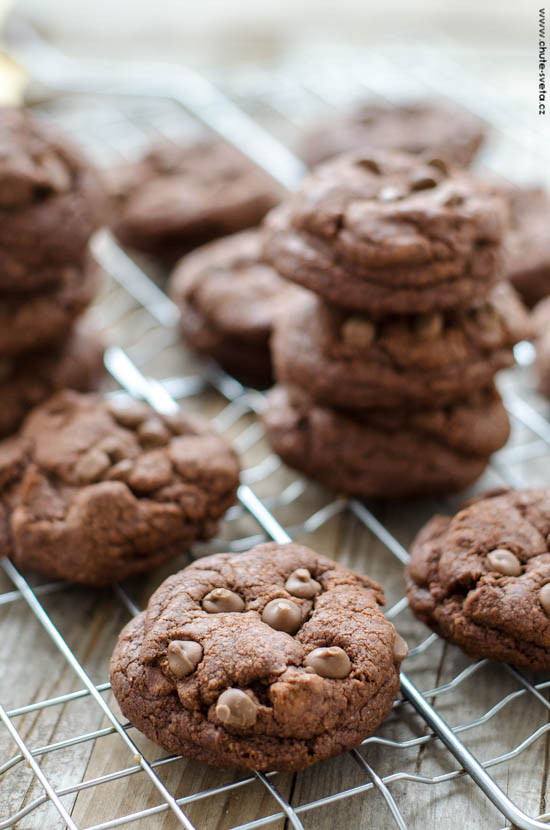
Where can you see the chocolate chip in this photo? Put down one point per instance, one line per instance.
(300, 584)
(391, 193)
(544, 597)
(422, 179)
(400, 648)
(130, 414)
(504, 561)
(235, 708)
(92, 465)
(329, 662)
(153, 432)
(183, 657)
(369, 164)
(221, 600)
(429, 326)
(358, 332)
(282, 615)
(439, 164)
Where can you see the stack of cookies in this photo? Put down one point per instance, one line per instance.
(386, 370)
(50, 203)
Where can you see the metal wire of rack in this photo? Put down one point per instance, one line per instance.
(406, 753)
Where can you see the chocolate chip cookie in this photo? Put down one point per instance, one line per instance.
(386, 454)
(30, 378)
(228, 301)
(180, 197)
(425, 360)
(29, 320)
(94, 491)
(527, 243)
(50, 202)
(541, 325)
(481, 578)
(271, 659)
(389, 234)
(423, 126)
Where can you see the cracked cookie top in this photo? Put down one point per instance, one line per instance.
(481, 578)
(277, 643)
(92, 490)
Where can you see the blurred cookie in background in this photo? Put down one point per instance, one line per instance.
(541, 324)
(527, 245)
(51, 201)
(228, 300)
(416, 127)
(38, 318)
(28, 379)
(178, 197)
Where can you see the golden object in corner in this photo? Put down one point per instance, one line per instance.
(12, 79)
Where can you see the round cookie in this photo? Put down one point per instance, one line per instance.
(94, 491)
(481, 578)
(423, 126)
(30, 378)
(527, 244)
(389, 233)
(228, 301)
(51, 201)
(179, 197)
(429, 360)
(386, 454)
(233, 683)
(541, 325)
(29, 320)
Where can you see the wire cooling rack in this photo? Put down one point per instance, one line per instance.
(468, 748)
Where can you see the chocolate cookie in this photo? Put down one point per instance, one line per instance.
(30, 378)
(94, 491)
(50, 202)
(425, 360)
(527, 244)
(29, 320)
(388, 454)
(228, 301)
(541, 325)
(180, 197)
(481, 579)
(424, 126)
(271, 659)
(389, 234)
